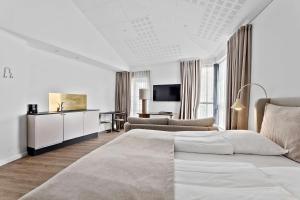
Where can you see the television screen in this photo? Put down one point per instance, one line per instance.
(166, 92)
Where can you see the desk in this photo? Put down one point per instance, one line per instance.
(113, 117)
(147, 115)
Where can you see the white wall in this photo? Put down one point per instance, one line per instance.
(276, 44)
(165, 73)
(36, 73)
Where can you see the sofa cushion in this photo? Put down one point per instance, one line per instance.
(207, 122)
(281, 124)
(167, 127)
(157, 121)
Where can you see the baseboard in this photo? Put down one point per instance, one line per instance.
(13, 158)
(33, 152)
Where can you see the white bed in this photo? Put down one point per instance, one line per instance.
(194, 175)
(143, 164)
(215, 176)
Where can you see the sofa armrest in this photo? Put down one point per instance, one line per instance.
(127, 127)
(213, 128)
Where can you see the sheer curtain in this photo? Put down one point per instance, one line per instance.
(206, 107)
(222, 93)
(139, 80)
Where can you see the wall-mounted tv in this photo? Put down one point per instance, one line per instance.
(166, 92)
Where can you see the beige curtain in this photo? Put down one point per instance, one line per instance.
(123, 96)
(239, 52)
(190, 89)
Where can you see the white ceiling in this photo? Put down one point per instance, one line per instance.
(58, 27)
(145, 32)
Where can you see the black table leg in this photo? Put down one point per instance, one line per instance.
(112, 122)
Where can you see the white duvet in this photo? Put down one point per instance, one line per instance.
(232, 180)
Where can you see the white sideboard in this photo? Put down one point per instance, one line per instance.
(49, 130)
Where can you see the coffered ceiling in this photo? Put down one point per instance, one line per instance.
(145, 32)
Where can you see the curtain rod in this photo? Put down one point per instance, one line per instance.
(188, 59)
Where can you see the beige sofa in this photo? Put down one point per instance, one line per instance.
(166, 124)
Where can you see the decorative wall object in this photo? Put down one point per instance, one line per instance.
(7, 73)
(60, 101)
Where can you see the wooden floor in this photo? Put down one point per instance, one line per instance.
(23, 175)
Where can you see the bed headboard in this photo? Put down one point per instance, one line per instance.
(261, 103)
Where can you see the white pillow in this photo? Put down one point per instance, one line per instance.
(251, 142)
(214, 144)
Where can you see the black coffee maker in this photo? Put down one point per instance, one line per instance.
(32, 109)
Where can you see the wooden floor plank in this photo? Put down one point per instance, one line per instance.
(21, 176)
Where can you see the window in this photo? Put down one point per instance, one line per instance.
(213, 92)
(139, 80)
(206, 107)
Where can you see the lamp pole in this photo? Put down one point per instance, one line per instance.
(238, 106)
(249, 84)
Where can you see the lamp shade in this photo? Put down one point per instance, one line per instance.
(143, 94)
(238, 106)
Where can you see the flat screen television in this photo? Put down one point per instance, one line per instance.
(166, 92)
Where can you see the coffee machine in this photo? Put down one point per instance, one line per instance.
(32, 109)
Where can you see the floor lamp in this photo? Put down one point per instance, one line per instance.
(238, 106)
(144, 96)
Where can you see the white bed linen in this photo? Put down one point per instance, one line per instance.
(214, 176)
(288, 177)
(215, 180)
(257, 160)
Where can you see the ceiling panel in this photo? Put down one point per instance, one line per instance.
(145, 32)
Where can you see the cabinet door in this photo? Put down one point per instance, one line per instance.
(91, 122)
(73, 125)
(48, 130)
